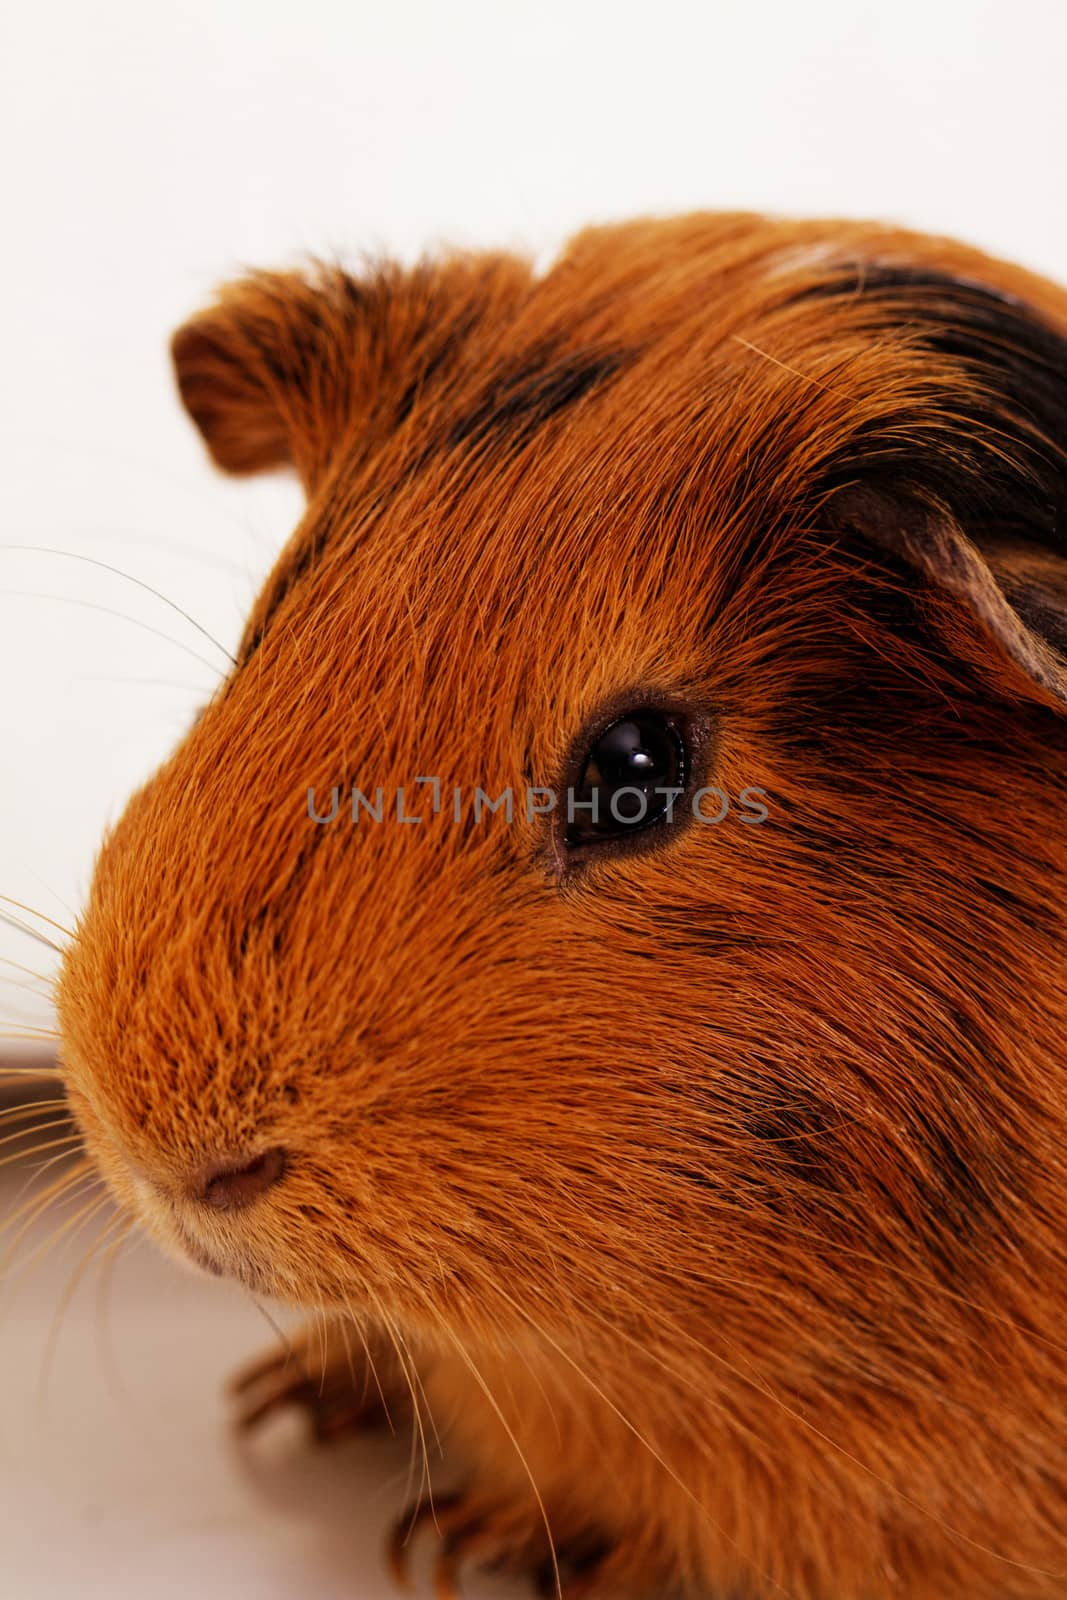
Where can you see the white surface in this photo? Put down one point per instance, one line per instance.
(152, 150)
(119, 1473)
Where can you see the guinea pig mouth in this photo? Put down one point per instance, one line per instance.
(171, 1229)
(200, 1258)
(238, 1268)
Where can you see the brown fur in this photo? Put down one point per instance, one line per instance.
(716, 1191)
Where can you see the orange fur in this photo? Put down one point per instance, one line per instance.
(717, 1191)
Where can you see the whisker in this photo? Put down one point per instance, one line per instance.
(469, 1362)
(417, 1431)
(542, 1333)
(273, 1324)
(46, 1247)
(35, 1206)
(31, 911)
(28, 988)
(413, 1364)
(110, 611)
(38, 1149)
(24, 927)
(35, 1127)
(357, 1323)
(83, 1166)
(106, 566)
(52, 1337)
(69, 1230)
(30, 1108)
(107, 1273)
(914, 1277)
(418, 1435)
(414, 1369)
(690, 1383)
(415, 1423)
(805, 1422)
(79, 1170)
(48, 889)
(30, 972)
(343, 1330)
(320, 1324)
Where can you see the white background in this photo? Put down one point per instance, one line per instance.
(151, 150)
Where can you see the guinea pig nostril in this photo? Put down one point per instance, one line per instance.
(230, 1185)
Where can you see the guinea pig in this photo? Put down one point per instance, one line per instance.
(700, 1174)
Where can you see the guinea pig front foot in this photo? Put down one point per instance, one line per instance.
(490, 1533)
(343, 1382)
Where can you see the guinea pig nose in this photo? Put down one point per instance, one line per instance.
(231, 1185)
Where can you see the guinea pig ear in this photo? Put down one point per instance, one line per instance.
(972, 493)
(285, 366)
(1014, 591)
(252, 368)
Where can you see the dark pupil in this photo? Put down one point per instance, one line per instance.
(639, 754)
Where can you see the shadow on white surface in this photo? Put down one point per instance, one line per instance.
(120, 1473)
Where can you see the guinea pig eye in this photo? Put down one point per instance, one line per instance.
(623, 776)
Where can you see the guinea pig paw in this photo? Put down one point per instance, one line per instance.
(341, 1390)
(492, 1534)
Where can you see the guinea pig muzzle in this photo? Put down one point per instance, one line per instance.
(193, 1215)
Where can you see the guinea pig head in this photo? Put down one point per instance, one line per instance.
(765, 516)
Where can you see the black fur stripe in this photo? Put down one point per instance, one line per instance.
(520, 399)
(1005, 464)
